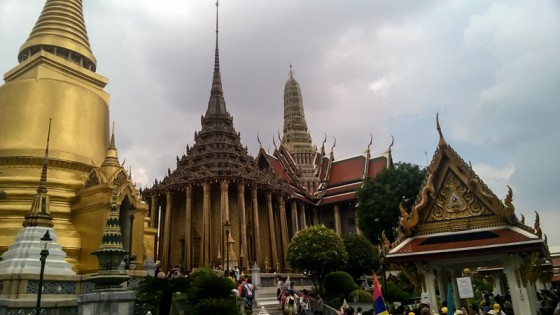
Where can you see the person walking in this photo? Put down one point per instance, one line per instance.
(319, 307)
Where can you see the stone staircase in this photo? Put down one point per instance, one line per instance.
(266, 297)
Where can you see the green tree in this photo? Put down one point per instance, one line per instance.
(363, 257)
(379, 199)
(157, 293)
(317, 250)
(210, 293)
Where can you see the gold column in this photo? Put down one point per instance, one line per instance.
(225, 204)
(243, 219)
(153, 211)
(206, 225)
(337, 227)
(188, 229)
(284, 230)
(293, 207)
(257, 233)
(302, 217)
(271, 232)
(224, 213)
(166, 232)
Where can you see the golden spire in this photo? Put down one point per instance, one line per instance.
(61, 30)
(217, 104)
(111, 158)
(39, 214)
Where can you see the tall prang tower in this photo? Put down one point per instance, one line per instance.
(56, 78)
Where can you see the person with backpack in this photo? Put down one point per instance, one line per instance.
(247, 294)
(289, 303)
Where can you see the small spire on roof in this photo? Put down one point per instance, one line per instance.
(42, 189)
(39, 214)
(291, 73)
(442, 141)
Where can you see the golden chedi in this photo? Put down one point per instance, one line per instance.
(56, 78)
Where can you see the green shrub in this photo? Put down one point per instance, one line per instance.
(213, 306)
(394, 293)
(360, 296)
(335, 302)
(339, 282)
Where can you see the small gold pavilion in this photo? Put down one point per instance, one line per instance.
(458, 223)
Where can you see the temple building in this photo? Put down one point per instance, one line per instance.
(56, 78)
(458, 224)
(221, 206)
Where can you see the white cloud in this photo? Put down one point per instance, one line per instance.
(381, 86)
(496, 178)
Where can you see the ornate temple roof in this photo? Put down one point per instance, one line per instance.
(217, 152)
(338, 180)
(456, 212)
(60, 29)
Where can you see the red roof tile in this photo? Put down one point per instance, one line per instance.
(463, 243)
(376, 165)
(338, 198)
(348, 170)
(342, 189)
(275, 163)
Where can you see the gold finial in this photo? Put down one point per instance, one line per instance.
(259, 141)
(442, 142)
(323, 144)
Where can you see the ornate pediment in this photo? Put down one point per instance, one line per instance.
(453, 197)
(455, 200)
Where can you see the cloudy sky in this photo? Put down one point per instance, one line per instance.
(490, 68)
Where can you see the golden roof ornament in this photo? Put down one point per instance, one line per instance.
(537, 225)
(39, 214)
(442, 141)
(60, 30)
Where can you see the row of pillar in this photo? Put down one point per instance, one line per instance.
(299, 221)
(523, 295)
(206, 255)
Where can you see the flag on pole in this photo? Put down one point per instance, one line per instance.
(378, 303)
(450, 299)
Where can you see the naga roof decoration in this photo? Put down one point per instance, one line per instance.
(453, 198)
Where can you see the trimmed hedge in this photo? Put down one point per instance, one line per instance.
(339, 282)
